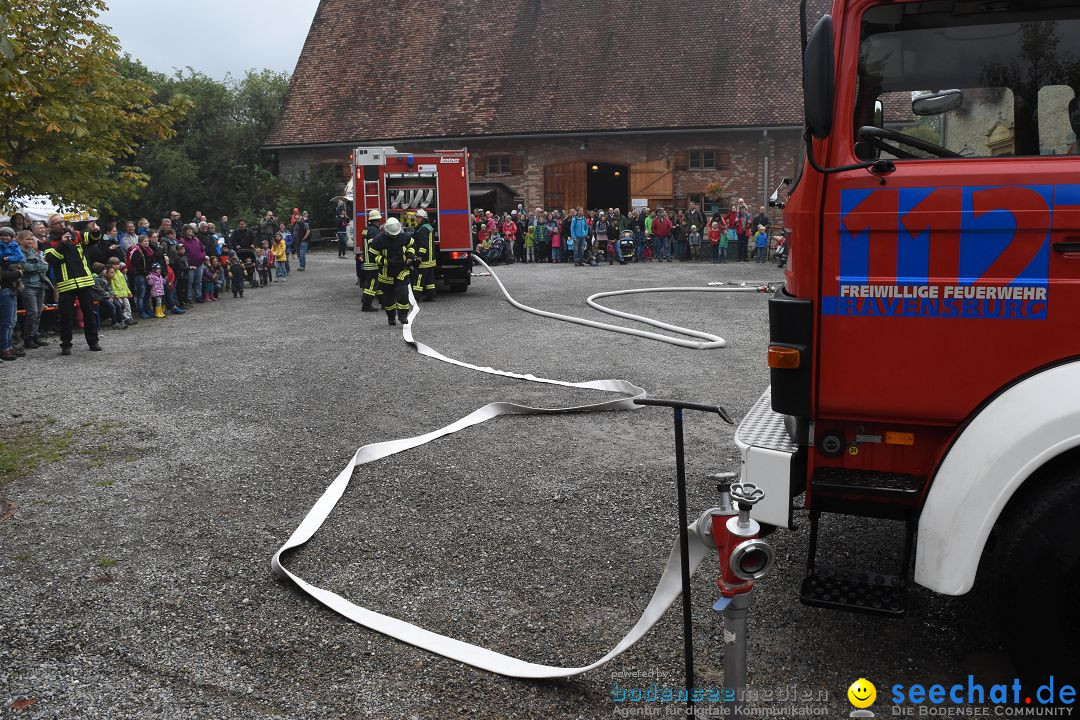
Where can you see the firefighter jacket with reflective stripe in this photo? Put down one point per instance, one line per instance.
(69, 267)
(424, 242)
(396, 254)
(371, 257)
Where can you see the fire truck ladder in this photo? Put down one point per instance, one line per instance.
(886, 496)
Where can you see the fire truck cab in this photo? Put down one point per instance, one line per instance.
(925, 348)
(397, 184)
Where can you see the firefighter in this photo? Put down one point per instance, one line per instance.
(396, 259)
(424, 242)
(367, 261)
(74, 281)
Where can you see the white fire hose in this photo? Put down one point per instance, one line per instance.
(669, 586)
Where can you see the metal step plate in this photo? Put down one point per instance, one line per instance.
(866, 481)
(764, 428)
(854, 590)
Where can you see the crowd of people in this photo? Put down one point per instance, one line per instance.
(55, 277)
(643, 235)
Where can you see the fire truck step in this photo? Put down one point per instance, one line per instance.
(827, 585)
(866, 493)
(854, 590)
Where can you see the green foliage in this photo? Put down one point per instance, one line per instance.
(214, 163)
(71, 118)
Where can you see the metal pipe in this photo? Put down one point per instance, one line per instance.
(735, 651)
(684, 545)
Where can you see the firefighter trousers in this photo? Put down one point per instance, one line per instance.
(394, 294)
(67, 316)
(369, 281)
(424, 283)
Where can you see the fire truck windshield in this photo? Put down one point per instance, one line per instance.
(1017, 73)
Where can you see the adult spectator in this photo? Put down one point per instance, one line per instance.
(268, 227)
(139, 261)
(242, 237)
(128, 239)
(661, 230)
(342, 232)
(174, 221)
(74, 281)
(41, 234)
(11, 272)
(100, 246)
(301, 232)
(762, 218)
(195, 251)
(19, 222)
(742, 229)
(694, 216)
(35, 283)
(579, 232)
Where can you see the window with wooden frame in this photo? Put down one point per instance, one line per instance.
(701, 160)
(498, 165)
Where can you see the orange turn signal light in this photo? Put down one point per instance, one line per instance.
(784, 357)
(899, 438)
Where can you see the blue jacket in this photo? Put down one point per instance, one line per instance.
(578, 227)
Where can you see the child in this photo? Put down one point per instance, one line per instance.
(530, 240)
(554, 230)
(143, 228)
(209, 276)
(182, 269)
(268, 261)
(219, 282)
(236, 269)
(247, 258)
(115, 275)
(716, 235)
(695, 243)
(761, 244)
(108, 303)
(156, 283)
(281, 257)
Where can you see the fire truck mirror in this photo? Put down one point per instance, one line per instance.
(937, 103)
(819, 67)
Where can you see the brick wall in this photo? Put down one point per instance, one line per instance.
(743, 175)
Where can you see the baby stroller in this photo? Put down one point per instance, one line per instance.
(626, 245)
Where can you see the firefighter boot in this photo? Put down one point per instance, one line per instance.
(403, 317)
(390, 317)
(366, 306)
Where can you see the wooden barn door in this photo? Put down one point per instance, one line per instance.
(652, 180)
(564, 185)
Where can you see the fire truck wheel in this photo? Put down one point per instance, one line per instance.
(459, 287)
(1037, 570)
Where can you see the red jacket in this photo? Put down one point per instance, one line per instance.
(662, 227)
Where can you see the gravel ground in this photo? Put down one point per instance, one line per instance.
(135, 580)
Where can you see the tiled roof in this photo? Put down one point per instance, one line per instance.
(463, 68)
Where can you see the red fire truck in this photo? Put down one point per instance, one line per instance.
(925, 348)
(398, 184)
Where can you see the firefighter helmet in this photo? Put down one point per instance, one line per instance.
(374, 215)
(421, 213)
(392, 226)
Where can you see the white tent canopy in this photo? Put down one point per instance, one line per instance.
(40, 207)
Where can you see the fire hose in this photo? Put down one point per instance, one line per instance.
(695, 540)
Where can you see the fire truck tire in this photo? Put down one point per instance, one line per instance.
(1037, 575)
(459, 287)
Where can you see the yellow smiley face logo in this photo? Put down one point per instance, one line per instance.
(862, 693)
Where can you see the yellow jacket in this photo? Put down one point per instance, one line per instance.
(279, 250)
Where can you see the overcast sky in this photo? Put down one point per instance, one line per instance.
(213, 36)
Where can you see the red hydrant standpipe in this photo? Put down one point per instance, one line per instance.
(744, 557)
